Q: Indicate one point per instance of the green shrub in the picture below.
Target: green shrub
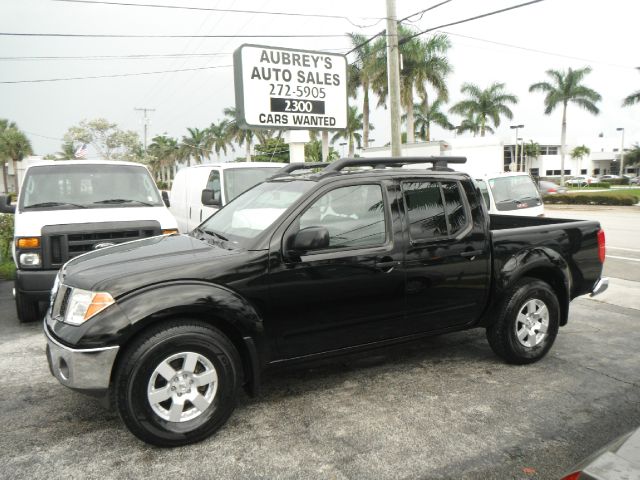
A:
(616, 181)
(591, 185)
(586, 199)
(6, 236)
(7, 270)
(162, 185)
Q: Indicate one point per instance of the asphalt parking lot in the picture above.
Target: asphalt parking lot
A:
(442, 408)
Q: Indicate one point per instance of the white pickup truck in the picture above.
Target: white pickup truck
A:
(67, 208)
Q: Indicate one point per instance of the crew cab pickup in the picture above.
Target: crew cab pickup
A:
(361, 254)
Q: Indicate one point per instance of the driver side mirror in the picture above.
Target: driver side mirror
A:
(210, 198)
(5, 204)
(310, 238)
(165, 198)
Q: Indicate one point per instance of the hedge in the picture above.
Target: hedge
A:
(586, 199)
(617, 181)
(591, 185)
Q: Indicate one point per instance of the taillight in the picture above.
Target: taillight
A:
(551, 190)
(601, 246)
(574, 475)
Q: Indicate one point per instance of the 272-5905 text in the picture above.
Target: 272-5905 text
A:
(282, 89)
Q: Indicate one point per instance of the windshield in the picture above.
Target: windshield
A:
(238, 180)
(513, 189)
(254, 211)
(88, 186)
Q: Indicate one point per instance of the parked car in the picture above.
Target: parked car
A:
(634, 181)
(620, 460)
(199, 191)
(550, 188)
(303, 267)
(67, 208)
(604, 178)
(511, 193)
(581, 181)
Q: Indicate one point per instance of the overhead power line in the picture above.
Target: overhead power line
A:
(113, 75)
(229, 10)
(476, 17)
(102, 35)
(114, 57)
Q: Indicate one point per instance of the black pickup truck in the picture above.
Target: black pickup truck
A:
(360, 254)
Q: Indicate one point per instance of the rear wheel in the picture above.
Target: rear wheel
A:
(177, 384)
(28, 309)
(527, 322)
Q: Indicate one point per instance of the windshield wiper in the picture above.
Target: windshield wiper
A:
(124, 200)
(54, 204)
(215, 234)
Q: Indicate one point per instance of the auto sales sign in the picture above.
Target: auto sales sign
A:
(290, 89)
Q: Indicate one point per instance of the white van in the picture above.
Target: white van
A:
(67, 208)
(215, 183)
(511, 193)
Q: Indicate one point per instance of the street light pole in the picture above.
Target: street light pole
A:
(621, 129)
(516, 152)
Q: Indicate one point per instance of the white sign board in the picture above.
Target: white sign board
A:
(290, 89)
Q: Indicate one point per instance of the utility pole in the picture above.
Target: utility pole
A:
(393, 73)
(621, 129)
(146, 123)
(515, 157)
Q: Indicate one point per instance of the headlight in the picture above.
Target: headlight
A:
(84, 304)
(29, 259)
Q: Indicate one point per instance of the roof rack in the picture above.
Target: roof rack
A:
(439, 163)
(292, 167)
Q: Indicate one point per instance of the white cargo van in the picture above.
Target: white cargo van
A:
(511, 193)
(67, 208)
(215, 183)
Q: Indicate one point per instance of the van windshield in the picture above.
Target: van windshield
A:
(512, 192)
(253, 212)
(238, 180)
(54, 187)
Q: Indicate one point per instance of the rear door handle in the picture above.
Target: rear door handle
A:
(470, 254)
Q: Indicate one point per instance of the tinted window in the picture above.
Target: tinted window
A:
(353, 215)
(456, 215)
(485, 193)
(425, 210)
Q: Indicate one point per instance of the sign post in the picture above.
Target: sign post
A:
(285, 89)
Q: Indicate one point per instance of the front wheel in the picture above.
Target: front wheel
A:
(527, 322)
(28, 310)
(177, 384)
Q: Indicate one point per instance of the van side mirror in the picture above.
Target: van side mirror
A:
(165, 198)
(5, 204)
(311, 238)
(210, 198)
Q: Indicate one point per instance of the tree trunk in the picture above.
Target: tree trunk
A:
(563, 141)
(351, 146)
(325, 146)
(248, 157)
(411, 138)
(5, 180)
(365, 115)
(425, 104)
(16, 183)
(482, 120)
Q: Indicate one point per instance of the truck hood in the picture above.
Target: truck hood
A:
(128, 266)
(29, 223)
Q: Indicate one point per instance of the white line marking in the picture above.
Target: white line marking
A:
(625, 249)
(624, 258)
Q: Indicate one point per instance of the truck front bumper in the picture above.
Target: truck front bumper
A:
(601, 285)
(87, 370)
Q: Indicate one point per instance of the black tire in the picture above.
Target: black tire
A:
(139, 365)
(503, 333)
(28, 310)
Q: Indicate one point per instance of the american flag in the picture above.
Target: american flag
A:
(81, 152)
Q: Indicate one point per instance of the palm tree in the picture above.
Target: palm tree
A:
(15, 145)
(68, 152)
(218, 138)
(237, 134)
(425, 115)
(566, 87)
(531, 150)
(473, 124)
(424, 64)
(4, 125)
(633, 98)
(363, 72)
(484, 105)
(579, 153)
(352, 132)
(166, 152)
(194, 145)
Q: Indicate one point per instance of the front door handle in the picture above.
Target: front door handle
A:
(471, 254)
(386, 264)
